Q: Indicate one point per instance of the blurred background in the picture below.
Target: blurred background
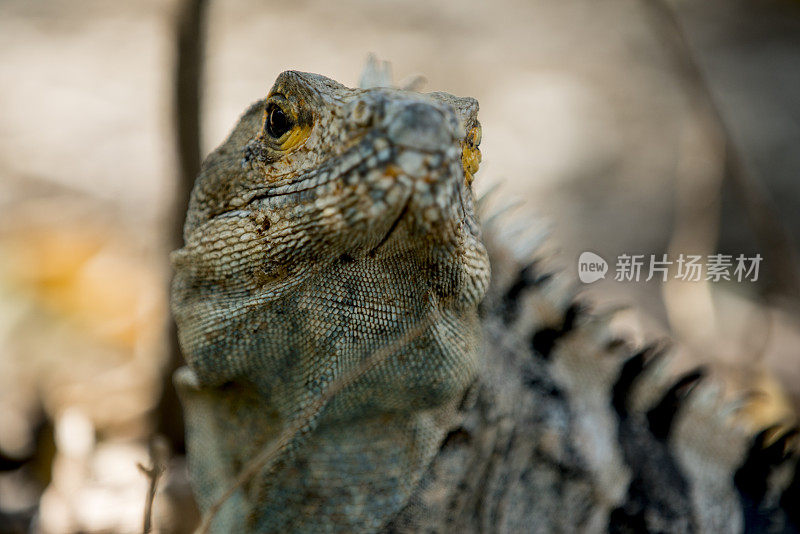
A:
(623, 126)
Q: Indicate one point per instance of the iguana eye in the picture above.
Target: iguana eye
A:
(278, 122)
(285, 126)
(471, 154)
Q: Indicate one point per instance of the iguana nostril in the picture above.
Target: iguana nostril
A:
(420, 126)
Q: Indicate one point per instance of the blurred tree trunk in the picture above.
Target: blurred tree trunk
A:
(759, 208)
(190, 16)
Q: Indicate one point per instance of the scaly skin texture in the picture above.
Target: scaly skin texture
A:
(306, 253)
(334, 223)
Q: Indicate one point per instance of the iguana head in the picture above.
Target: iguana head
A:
(327, 223)
(353, 165)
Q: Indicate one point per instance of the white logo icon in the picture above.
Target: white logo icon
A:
(591, 267)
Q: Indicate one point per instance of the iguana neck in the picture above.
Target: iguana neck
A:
(356, 474)
(355, 461)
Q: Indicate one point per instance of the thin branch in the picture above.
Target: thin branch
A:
(304, 421)
(158, 466)
(186, 101)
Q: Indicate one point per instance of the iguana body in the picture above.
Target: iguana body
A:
(332, 223)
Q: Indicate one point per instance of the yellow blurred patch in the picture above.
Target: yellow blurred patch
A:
(77, 273)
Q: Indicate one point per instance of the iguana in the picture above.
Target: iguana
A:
(340, 306)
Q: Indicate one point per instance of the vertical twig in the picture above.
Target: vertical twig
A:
(190, 29)
(158, 465)
(187, 98)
